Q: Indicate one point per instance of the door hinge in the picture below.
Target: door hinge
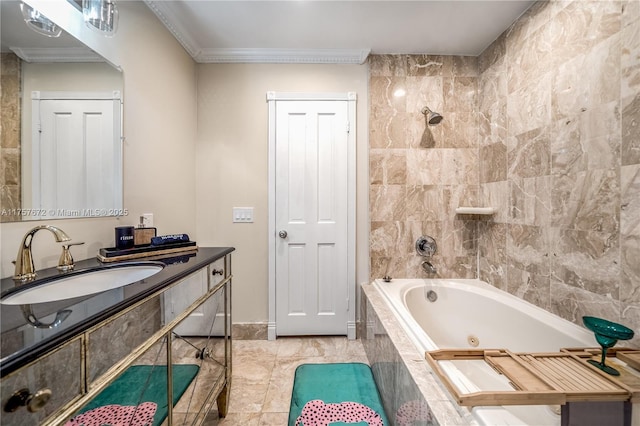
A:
(348, 126)
(348, 304)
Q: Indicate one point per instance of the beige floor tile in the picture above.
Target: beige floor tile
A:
(278, 396)
(238, 419)
(297, 347)
(252, 369)
(263, 373)
(247, 397)
(346, 358)
(256, 346)
(181, 419)
(274, 419)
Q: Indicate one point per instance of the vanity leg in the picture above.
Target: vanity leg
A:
(223, 401)
(169, 379)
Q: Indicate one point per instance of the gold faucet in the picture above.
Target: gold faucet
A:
(25, 270)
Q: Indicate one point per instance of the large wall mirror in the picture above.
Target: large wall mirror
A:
(61, 126)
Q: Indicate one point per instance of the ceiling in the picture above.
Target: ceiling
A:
(333, 31)
(297, 31)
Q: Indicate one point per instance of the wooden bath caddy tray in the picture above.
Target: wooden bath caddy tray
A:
(114, 255)
(631, 357)
(541, 378)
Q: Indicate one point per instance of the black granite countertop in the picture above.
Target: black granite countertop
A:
(16, 350)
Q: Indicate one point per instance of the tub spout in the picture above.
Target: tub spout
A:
(428, 267)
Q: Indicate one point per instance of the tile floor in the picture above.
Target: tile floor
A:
(262, 376)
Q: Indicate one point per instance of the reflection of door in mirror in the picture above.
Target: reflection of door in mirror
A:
(75, 138)
(54, 77)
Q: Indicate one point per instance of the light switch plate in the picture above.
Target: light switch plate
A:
(242, 214)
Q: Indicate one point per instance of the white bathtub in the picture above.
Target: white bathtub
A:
(471, 313)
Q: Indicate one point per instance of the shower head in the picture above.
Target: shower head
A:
(433, 117)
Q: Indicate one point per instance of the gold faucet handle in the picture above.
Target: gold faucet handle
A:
(65, 263)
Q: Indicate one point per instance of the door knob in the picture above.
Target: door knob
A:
(282, 234)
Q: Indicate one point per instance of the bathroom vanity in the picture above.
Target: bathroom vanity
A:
(57, 357)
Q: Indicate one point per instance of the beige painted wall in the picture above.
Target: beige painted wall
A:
(159, 150)
(232, 164)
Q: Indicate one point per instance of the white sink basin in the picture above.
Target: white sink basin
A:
(83, 283)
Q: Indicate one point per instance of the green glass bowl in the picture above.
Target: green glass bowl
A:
(607, 329)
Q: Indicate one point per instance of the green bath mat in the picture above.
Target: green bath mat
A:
(124, 402)
(342, 394)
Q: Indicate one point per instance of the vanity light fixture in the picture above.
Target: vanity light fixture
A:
(101, 15)
(38, 22)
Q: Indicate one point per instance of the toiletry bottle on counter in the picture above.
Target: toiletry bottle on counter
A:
(142, 235)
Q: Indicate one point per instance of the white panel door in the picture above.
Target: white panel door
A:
(76, 140)
(311, 211)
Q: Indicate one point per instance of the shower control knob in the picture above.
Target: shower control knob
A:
(426, 246)
(282, 234)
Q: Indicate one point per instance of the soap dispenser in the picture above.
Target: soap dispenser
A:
(142, 235)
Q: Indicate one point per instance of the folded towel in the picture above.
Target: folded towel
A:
(169, 239)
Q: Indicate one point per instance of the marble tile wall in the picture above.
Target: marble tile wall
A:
(559, 156)
(545, 126)
(418, 173)
(249, 331)
(10, 84)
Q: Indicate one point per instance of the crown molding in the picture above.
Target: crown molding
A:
(284, 56)
(61, 54)
(163, 9)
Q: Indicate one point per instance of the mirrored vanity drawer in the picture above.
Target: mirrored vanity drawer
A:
(202, 321)
(57, 376)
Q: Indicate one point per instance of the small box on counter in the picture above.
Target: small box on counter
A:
(143, 236)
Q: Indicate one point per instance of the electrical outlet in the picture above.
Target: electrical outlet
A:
(147, 219)
(242, 214)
